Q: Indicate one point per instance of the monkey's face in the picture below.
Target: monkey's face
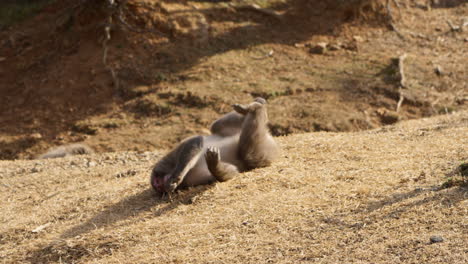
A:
(159, 183)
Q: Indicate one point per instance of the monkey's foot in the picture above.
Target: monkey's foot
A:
(252, 107)
(212, 156)
(260, 100)
(241, 109)
(245, 109)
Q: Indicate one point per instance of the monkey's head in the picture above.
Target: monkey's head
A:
(160, 182)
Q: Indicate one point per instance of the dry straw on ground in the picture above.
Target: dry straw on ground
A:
(366, 197)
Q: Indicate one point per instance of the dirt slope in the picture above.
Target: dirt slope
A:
(361, 197)
(55, 89)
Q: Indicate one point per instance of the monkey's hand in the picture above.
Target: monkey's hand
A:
(212, 156)
(170, 183)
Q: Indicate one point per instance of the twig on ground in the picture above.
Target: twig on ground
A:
(257, 8)
(454, 28)
(400, 102)
(40, 228)
(269, 54)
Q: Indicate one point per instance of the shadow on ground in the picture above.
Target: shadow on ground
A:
(127, 208)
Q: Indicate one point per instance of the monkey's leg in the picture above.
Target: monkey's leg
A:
(256, 146)
(187, 156)
(228, 125)
(244, 109)
(222, 171)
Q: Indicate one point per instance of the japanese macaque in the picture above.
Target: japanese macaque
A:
(66, 150)
(239, 141)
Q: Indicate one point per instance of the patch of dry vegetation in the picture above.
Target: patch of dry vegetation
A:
(363, 197)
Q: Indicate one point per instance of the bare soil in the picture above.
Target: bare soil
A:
(378, 196)
(194, 59)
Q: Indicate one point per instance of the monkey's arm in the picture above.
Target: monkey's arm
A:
(187, 155)
(228, 125)
(222, 171)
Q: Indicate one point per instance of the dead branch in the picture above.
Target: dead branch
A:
(257, 8)
(401, 69)
(402, 82)
(107, 38)
(391, 18)
(454, 28)
(400, 102)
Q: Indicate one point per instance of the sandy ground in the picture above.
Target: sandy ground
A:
(356, 197)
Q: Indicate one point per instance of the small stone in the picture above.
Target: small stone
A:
(319, 48)
(299, 45)
(128, 173)
(91, 163)
(438, 70)
(36, 135)
(387, 117)
(358, 39)
(436, 239)
(351, 46)
(334, 47)
(34, 170)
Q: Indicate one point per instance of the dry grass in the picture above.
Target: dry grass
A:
(366, 197)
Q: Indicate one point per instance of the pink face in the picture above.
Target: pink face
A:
(160, 182)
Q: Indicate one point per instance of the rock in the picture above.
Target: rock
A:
(438, 70)
(334, 47)
(387, 117)
(36, 136)
(91, 164)
(128, 173)
(352, 46)
(319, 48)
(358, 39)
(299, 45)
(436, 239)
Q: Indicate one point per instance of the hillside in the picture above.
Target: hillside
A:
(358, 197)
(178, 65)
